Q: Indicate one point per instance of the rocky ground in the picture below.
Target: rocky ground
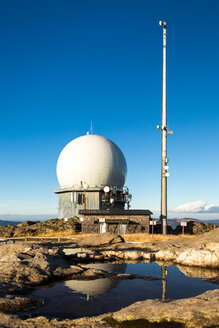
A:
(26, 266)
(200, 251)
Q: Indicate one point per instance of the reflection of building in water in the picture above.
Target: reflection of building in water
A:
(97, 286)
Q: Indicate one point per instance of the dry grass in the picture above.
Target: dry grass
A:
(61, 234)
(137, 237)
(140, 237)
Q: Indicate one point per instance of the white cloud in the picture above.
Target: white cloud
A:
(199, 206)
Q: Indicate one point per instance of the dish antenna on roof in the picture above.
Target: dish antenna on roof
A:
(106, 189)
(85, 186)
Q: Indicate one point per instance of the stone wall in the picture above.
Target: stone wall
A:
(118, 224)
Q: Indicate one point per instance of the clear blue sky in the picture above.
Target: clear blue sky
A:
(65, 63)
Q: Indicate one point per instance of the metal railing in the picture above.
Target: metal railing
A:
(33, 238)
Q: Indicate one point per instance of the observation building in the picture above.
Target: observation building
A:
(91, 171)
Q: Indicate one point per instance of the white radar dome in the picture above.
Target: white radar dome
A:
(92, 160)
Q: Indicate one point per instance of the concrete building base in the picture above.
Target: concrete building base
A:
(115, 221)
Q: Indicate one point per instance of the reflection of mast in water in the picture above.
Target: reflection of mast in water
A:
(164, 282)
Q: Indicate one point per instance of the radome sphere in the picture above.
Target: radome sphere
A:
(93, 161)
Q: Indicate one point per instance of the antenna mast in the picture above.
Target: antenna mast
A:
(164, 133)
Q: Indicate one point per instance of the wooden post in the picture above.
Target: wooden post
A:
(183, 225)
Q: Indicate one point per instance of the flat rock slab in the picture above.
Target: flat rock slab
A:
(193, 312)
(18, 303)
(100, 239)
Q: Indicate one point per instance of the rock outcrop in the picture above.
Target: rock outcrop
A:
(25, 266)
(31, 228)
(194, 227)
(7, 231)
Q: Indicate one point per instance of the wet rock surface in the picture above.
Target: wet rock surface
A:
(193, 312)
(18, 303)
(25, 266)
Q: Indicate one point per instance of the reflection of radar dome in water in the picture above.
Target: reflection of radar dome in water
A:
(92, 160)
(97, 286)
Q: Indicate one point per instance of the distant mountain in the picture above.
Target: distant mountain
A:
(17, 218)
(216, 222)
(4, 223)
(174, 222)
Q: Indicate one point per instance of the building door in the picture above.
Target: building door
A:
(102, 227)
(122, 229)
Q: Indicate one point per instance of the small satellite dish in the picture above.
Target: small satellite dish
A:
(166, 167)
(167, 174)
(106, 189)
(85, 186)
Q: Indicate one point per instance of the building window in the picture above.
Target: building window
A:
(80, 199)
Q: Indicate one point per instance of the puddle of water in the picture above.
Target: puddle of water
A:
(75, 298)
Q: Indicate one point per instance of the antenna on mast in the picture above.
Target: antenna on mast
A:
(91, 129)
